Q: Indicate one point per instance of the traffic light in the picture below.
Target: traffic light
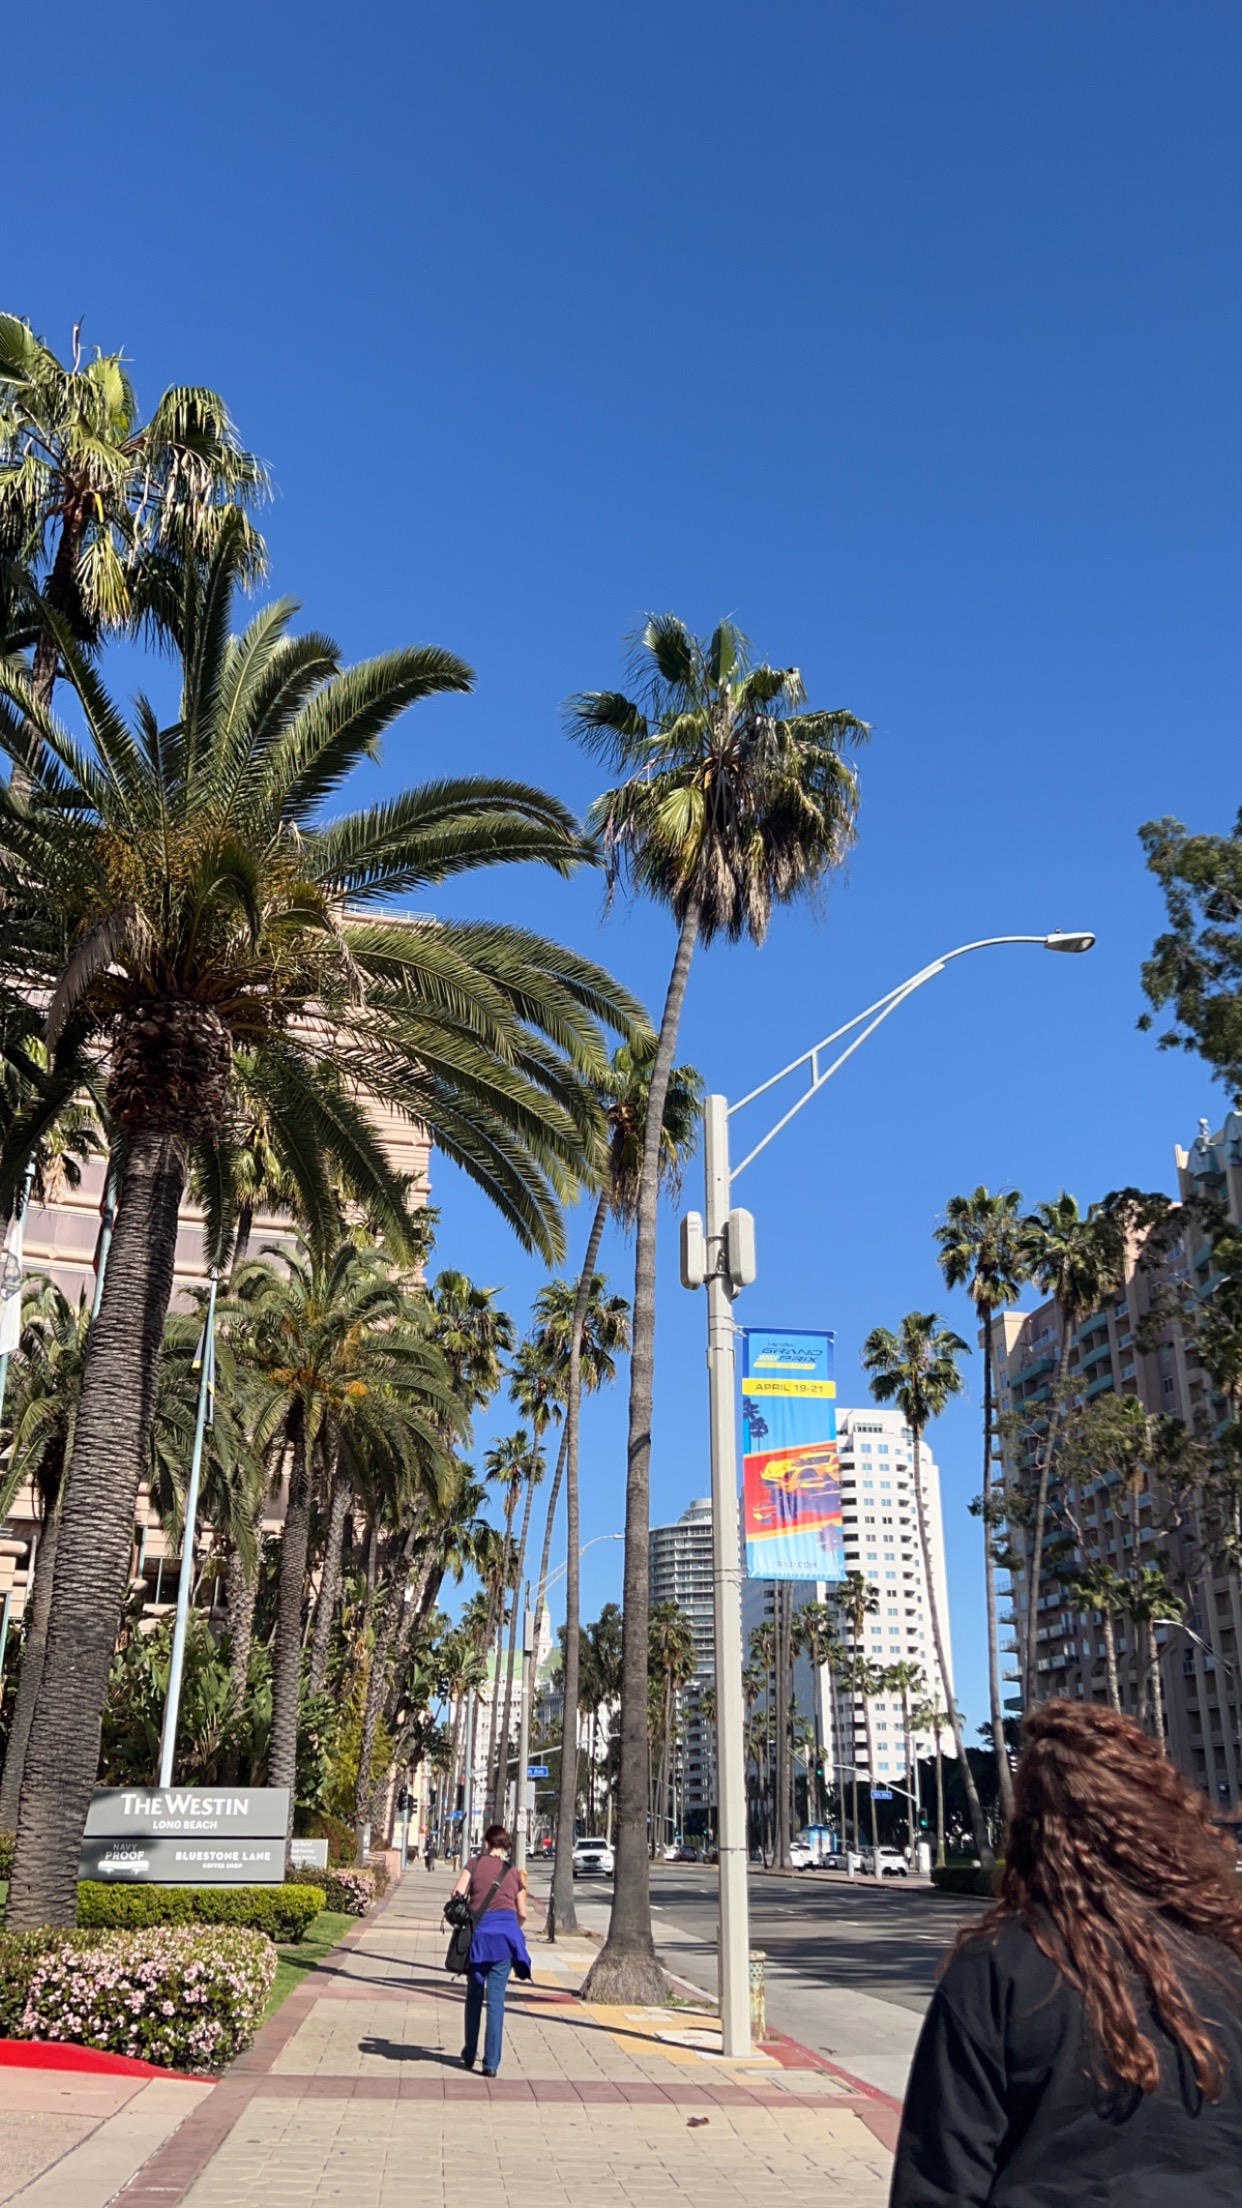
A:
(923, 1820)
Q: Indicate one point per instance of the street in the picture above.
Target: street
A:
(849, 1968)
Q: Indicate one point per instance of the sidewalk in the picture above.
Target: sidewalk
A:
(354, 2092)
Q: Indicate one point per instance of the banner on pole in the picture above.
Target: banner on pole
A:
(791, 1481)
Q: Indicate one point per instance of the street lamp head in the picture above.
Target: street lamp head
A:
(1068, 940)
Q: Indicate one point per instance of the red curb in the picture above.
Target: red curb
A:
(63, 2054)
(777, 2042)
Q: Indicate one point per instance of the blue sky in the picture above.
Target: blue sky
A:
(910, 336)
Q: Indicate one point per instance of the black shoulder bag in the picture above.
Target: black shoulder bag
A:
(458, 1913)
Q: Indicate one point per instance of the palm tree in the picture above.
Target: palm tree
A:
(102, 507)
(733, 799)
(40, 1408)
(623, 1095)
(474, 1336)
(672, 1667)
(171, 893)
(866, 1681)
(816, 1637)
(1078, 1259)
(535, 1388)
(917, 1370)
(1103, 1592)
(339, 1369)
(1150, 1601)
(928, 1717)
(507, 1465)
(857, 1600)
(907, 1680)
(985, 1248)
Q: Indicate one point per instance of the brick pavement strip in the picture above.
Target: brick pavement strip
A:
(353, 2093)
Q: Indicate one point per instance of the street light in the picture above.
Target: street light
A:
(718, 1251)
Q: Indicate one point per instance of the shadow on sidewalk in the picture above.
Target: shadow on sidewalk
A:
(393, 2050)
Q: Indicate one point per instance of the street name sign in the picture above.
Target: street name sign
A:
(881, 1793)
(536, 1770)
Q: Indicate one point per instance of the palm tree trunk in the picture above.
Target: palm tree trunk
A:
(240, 1595)
(329, 1583)
(1004, 1776)
(500, 1796)
(978, 1823)
(33, 1650)
(563, 1914)
(58, 592)
(493, 1719)
(282, 1759)
(1110, 1658)
(554, 1496)
(940, 1850)
(377, 1684)
(1035, 1573)
(626, 1970)
(1157, 1683)
(241, 1239)
(780, 1604)
(873, 1777)
(95, 1549)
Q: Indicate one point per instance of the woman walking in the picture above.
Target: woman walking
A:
(496, 1894)
(1085, 2041)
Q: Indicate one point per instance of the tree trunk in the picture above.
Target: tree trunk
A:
(1031, 1651)
(1110, 1658)
(554, 1496)
(282, 1759)
(493, 1717)
(58, 593)
(940, 1849)
(873, 1777)
(364, 1788)
(563, 1913)
(33, 1649)
(978, 1824)
(241, 1239)
(626, 1970)
(1157, 1683)
(329, 1583)
(95, 1548)
(1004, 1776)
(781, 1838)
(500, 1796)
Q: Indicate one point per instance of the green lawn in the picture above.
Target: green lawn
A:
(293, 1963)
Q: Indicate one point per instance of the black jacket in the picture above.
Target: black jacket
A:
(1004, 2106)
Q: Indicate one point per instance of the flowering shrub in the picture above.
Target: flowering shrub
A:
(186, 1996)
(351, 1891)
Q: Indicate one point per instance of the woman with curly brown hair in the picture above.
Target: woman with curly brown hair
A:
(1084, 2044)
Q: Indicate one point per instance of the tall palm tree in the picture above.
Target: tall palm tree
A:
(338, 1366)
(733, 799)
(172, 892)
(857, 1600)
(816, 1636)
(507, 1465)
(1077, 1258)
(1151, 1601)
(101, 506)
(985, 1248)
(535, 1387)
(1103, 1593)
(672, 1666)
(623, 1095)
(917, 1370)
(40, 1408)
(928, 1717)
(868, 1679)
(475, 1336)
(907, 1680)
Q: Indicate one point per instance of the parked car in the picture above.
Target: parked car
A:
(591, 1856)
(800, 1856)
(885, 1863)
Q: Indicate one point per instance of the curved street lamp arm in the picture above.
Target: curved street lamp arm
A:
(875, 1014)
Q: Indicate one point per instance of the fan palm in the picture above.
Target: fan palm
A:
(1078, 1258)
(857, 1600)
(672, 1662)
(623, 1095)
(928, 1717)
(817, 1637)
(917, 1369)
(985, 1248)
(171, 892)
(734, 799)
(102, 507)
(1150, 1601)
(535, 1386)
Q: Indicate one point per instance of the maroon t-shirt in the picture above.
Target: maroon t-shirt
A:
(483, 1877)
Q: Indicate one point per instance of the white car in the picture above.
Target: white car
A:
(593, 1855)
(885, 1863)
(800, 1856)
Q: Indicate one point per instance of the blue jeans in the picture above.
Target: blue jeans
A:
(490, 1979)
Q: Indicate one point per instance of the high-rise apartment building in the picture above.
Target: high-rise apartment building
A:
(881, 1538)
(1133, 1345)
(679, 1569)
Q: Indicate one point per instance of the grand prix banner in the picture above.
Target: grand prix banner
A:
(791, 1482)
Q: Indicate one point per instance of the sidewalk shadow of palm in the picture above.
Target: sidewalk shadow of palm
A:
(395, 2050)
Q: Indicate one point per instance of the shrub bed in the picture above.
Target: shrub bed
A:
(282, 1912)
(352, 1891)
(967, 1878)
(189, 1997)
(378, 1867)
(320, 1824)
(7, 1844)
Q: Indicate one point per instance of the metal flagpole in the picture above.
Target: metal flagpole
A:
(206, 1363)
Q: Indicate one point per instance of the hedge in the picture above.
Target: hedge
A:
(967, 1878)
(189, 1997)
(350, 1891)
(281, 1912)
(7, 1845)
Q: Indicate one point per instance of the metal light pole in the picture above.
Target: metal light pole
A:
(521, 1819)
(206, 1386)
(467, 1798)
(718, 1252)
